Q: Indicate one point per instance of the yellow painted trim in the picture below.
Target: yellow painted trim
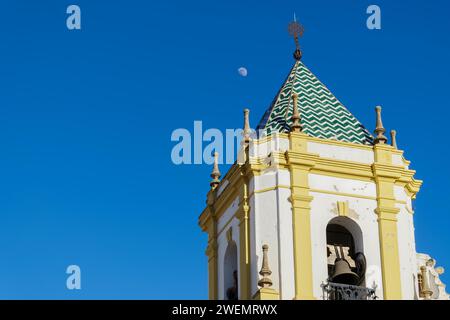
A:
(244, 242)
(285, 136)
(347, 168)
(211, 252)
(411, 211)
(342, 207)
(279, 186)
(226, 225)
(348, 176)
(343, 194)
(300, 163)
(385, 176)
(352, 195)
(326, 166)
(266, 139)
(340, 143)
(244, 259)
(229, 234)
(266, 294)
(222, 204)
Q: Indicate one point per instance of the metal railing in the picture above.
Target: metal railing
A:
(338, 291)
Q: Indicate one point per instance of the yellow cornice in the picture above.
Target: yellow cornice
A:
(278, 186)
(324, 166)
(382, 170)
(397, 151)
(344, 194)
(350, 169)
(304, 159)
(406, 162)
(232, 191)
(413, 187)
(321, 165)
(203, 218)
(317, 165)
(334, 143)
(266, 139)
(308, 138)
(225, 200)
(407, 180)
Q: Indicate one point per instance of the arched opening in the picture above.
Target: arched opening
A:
(345, 252)
(230, 272)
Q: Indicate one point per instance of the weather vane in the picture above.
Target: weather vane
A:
(296, 30)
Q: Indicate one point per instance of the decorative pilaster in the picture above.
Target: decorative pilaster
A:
(210, 226)
(300, 163)
(244, 243)
(342, 207)
(386, 175)
(211, 252)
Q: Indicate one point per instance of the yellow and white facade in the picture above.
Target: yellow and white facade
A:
(285, 190)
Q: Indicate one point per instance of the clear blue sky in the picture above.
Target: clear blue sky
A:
(86, 118)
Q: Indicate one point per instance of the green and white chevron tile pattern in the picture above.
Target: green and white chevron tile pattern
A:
(322, 115)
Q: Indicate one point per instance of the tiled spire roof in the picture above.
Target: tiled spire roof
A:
(322, 115)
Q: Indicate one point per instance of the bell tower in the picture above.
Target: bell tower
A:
(315, 207)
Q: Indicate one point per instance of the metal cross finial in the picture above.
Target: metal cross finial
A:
(296, 30)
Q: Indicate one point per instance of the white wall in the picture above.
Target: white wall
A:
(341, 152)
(264, 218)
(226, 221)
(406, 244)
(271, 221)
(285, 238)
(277, 143)
(273, 226)
(361, 211)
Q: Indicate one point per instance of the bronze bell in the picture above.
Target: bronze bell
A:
(343, 274)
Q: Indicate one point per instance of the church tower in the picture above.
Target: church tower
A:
(315, 207)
